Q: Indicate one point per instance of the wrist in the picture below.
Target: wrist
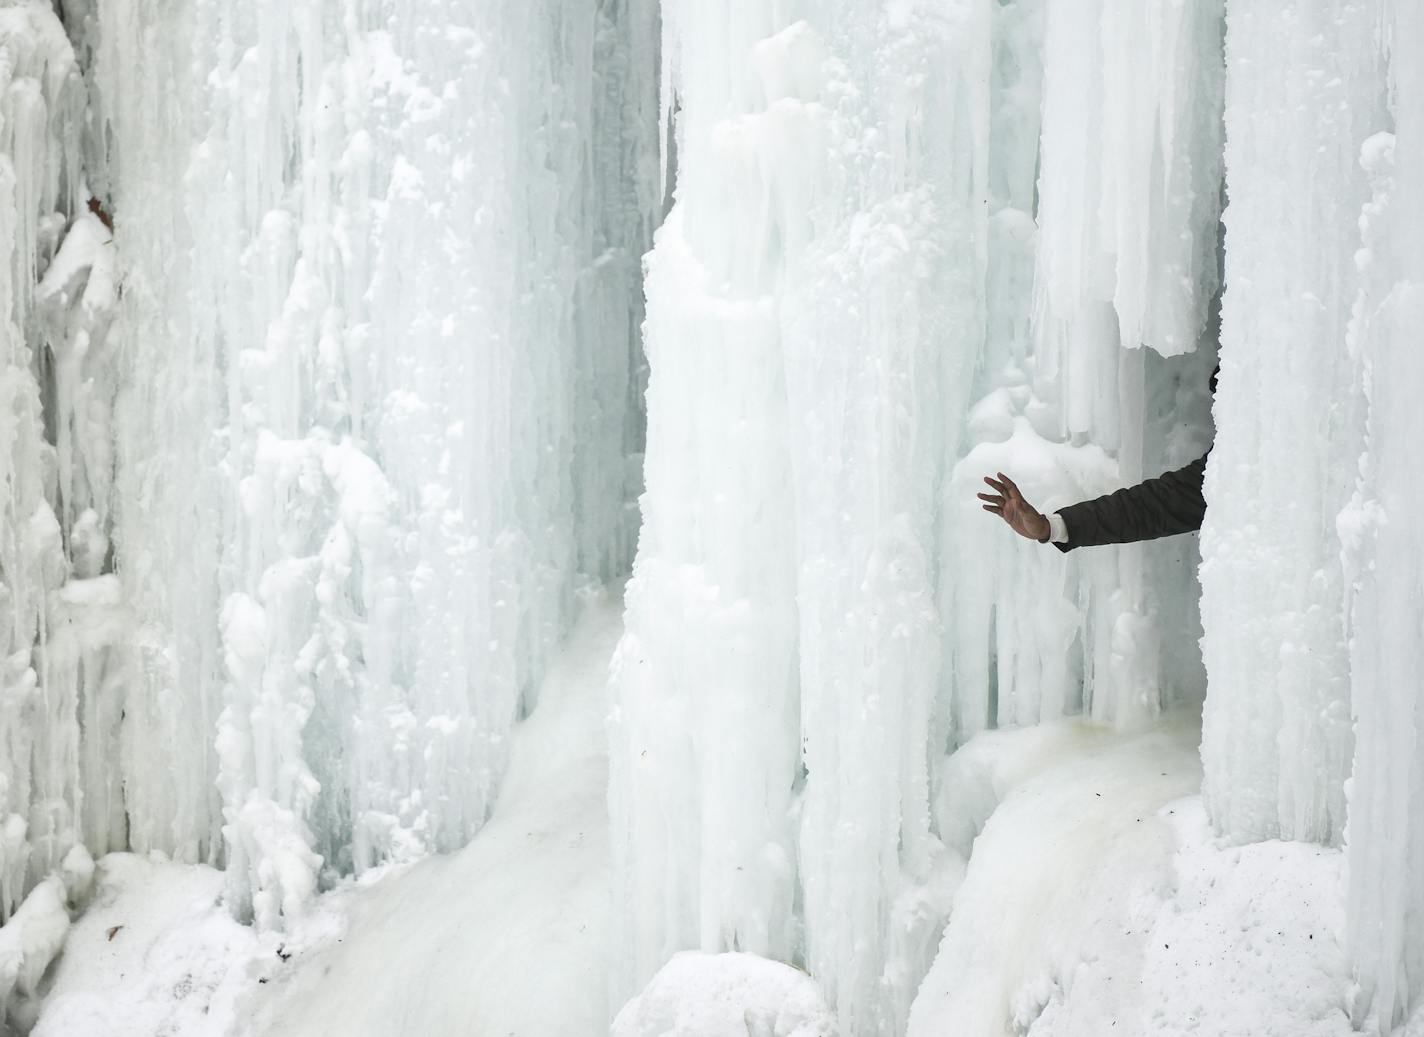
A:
(1046, 527)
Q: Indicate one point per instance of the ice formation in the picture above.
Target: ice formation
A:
(294, 522)
(1278, 750)
(56, 624)
(1383, 563)
(909, 248)
(849, 263)
(322, 333)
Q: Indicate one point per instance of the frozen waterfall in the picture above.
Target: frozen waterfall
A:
(302, 517)
(350, 348)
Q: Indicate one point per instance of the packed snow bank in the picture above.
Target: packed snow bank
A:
(726, 995)
(1097, 901)
(507, 936)
(155, 952)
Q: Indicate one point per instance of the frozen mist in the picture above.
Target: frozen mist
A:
(396, 330)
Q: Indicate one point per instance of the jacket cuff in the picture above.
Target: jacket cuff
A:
(1057, 529)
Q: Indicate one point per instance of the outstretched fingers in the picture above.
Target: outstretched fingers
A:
(1012, 488)
(993, 502)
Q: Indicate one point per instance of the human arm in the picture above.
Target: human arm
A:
(1169, 504)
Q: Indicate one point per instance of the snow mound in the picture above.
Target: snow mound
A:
(726, 995)
(28, 943)
(1097, 900)
(153, 953)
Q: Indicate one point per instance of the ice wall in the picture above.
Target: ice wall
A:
(1310, 572)
(376, 412)
(819, 610)
(1102, 241)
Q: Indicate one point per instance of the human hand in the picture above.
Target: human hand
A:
(1009, 504)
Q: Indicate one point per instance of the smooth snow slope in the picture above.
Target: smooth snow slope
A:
(509, 935)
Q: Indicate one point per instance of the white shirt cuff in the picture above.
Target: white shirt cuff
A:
(1057, 529)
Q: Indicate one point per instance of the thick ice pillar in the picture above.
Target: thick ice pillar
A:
(1384, 561)
(815, 313)
(1304, 89)
(884, 323)
(705, 741)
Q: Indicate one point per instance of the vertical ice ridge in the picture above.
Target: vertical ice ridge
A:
(883, 323)
(1380, 548)
(1303, 92)
(703, 733)
(59, 617)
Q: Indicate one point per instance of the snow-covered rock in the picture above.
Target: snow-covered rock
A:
(726, 995)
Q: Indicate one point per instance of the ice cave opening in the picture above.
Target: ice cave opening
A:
(488, 534)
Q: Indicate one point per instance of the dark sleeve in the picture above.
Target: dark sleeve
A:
(1160, 507)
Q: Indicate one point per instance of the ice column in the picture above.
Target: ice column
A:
(815, 313)
(704, 737)
(884, 317)
(1384, 561)
(1303, 92)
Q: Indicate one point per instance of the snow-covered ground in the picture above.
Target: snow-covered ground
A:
(506, 937)
(1095, 901)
